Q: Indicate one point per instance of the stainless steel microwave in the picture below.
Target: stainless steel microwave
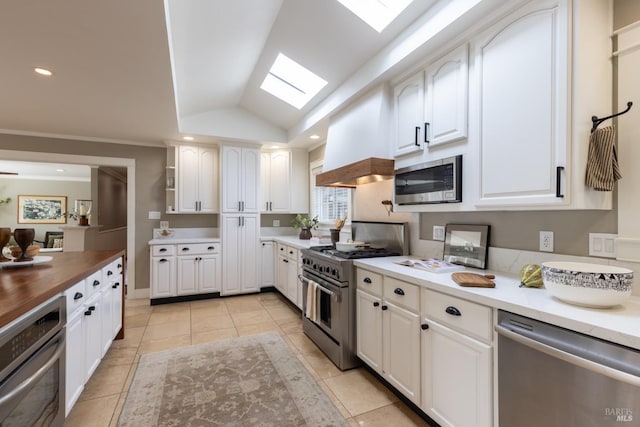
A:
(439, 181)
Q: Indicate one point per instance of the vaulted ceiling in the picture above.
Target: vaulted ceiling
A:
(147, 72)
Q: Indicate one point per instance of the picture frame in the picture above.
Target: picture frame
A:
(42, 209)
(466, 244)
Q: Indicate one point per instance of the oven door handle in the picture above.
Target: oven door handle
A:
(38, 374)
(319, 286)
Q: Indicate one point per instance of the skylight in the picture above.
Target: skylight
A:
(377, 13)
(291, 82)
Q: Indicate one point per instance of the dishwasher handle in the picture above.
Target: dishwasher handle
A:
(569, 358)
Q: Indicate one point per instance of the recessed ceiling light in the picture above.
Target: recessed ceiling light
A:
(291, 82)
(59, 170)
(377, 13)
(43, 71)
(274, 146)
(314, 136)
(187, 138)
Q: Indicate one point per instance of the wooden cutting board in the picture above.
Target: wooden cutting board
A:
(474, 280)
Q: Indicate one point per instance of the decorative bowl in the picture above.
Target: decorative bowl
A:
(164, 233)
(349, 246)
(589, 285)
(32, 251)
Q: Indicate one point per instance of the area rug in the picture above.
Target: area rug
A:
(248, 381)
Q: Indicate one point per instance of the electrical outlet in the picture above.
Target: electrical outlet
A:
(546, 241)
(438, 233)
(276, 223)
(164, 224)
(602, 245)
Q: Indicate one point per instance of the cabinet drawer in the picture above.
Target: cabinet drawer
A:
(283, 249)
(292, 253)
(199, 248)
(403, 293)
(369, 281)
(160, 250)
(466, 316)
(76, 296)
(93, 283)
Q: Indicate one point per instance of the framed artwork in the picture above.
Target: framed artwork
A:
(42, 209)
(466, 244)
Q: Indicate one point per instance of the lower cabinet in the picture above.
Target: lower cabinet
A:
(241, 236)
(288, 269)
(268, 264)
(93, 334)
(198, 274)
(163, 277)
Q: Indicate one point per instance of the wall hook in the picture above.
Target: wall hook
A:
(596, 121)
(388, 205)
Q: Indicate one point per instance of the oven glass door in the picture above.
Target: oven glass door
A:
(33, 395)
(328, 298)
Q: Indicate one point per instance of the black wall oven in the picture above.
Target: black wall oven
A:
(32, 367)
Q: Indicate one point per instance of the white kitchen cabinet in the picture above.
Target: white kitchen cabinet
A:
(388, 330)
(93, 334)
(117, 288)
(197, 179)
(533, 117)
(447, 86)
(75, 374)
(275, 171)
(106, 318)
(198, 274)
(456, 378)
(240, 179)
(287, 275)
(241, 234)
(163, 276)
(268, 265)
(408, 100)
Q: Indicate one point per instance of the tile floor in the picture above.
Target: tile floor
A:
(362, 399)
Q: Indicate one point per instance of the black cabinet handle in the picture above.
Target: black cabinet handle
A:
(77, 296)
(559, 170)
(453, 311)
(109, 273)
(426, 132)
(93, 307)
(384, 307)
(398, 291)
(376, 304)
(367, 280)
(210, 248)
(415, 141)
(424, 326)
(270, 206)
(185, 249)
(120, 265)
(285, 260)
(96, 282)
(87, 313)
(161, 250)
(163, 260)
(115, 286)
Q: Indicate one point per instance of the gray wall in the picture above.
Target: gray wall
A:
(625, 12)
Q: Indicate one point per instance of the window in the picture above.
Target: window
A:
(377, 13)
(329, 203)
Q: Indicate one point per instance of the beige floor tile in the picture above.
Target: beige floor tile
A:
(284, 313)
(290, 326)
(130, 376)
(118, 410)
(250, 317)
(132, 338)
(291, 345)
(119, 356)
(303, 343)
(211, 336)
(397, 415)
(164, 344)
(105, 381)
(179, 315)
(321, 364)
(137, 309)
(269, 326)
(242, 306)
(92, 413)
(201, 322)
(137, 320)
(360, 392)
(269, 296)
(212, 306)
(166, 330)
(353, 422)
(308, 367)
(334, 399)
(165, 308)
(137, 302)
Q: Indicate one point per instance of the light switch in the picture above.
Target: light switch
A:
(154, 214)
(602, 245)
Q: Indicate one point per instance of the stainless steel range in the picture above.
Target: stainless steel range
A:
(328, 278)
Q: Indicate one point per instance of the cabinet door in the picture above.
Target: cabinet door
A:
(231, 254)
(163, 277)
(267, 262)
(187, 275)
(401, 350)
(106, 318)
(208, 274)
(75, 365)
(116, 289)
(188, 159)
(250, 253)
(92, 335)
(292, 281)
(231, 178)
(250, 180)
(369, 329)
(408, 115)
(447, 82)
(208, 179)
(280, 182)
(283, 274)
(521, 66)
(456, 378)
(265, 184)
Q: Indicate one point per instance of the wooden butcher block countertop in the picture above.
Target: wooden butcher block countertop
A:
(23, 288)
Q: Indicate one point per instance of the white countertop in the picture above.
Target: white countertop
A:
(183, 240)
(293, 241)
(620, 324)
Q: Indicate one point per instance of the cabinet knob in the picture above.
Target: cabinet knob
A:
(109, 273)
(119, 265)
(398, 291)
(367, 280)
(384, 307)
(424, 326)
(163, 250)
(376, 304)
(77, 296)
(185, 249)
(290, 252)
(163, 260)
(96, 282)
(453, 311)
(210, 248)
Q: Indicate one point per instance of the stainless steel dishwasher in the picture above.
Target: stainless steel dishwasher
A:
(550, 376)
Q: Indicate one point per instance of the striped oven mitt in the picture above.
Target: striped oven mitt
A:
(602, 161)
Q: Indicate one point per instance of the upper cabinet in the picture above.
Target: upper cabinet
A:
(533, 132)
(408, 110)
(192, 179)
(284, 181)
(240, 179)
(447, 83)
